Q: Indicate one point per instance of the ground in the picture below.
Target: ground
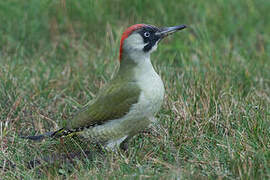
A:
(215, 120)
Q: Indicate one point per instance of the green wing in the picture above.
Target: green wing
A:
(113, 102)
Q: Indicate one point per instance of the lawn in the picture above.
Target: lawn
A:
(214, 122)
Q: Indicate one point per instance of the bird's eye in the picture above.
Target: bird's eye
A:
(146, 34)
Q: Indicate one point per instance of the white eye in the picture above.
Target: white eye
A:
(146, 34)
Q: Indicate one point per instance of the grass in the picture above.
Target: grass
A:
(215, 120)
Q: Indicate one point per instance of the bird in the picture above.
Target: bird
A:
(129, 102)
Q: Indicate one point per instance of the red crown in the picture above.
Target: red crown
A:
(125, 34)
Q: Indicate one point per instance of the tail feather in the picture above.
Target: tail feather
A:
(38, 137)
(62, 132)
(56, 134)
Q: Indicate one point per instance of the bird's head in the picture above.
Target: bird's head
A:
(139, 40)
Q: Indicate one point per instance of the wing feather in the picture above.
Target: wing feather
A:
(113, 102)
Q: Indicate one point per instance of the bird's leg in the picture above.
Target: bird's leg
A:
(114, 144)
(124, 144)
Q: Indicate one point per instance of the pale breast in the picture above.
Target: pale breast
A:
(152, 94)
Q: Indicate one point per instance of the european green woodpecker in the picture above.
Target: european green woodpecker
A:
(127, 104)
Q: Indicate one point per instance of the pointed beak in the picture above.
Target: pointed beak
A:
(165, 31)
